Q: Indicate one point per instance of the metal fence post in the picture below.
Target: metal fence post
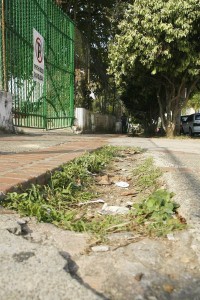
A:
(3, 36)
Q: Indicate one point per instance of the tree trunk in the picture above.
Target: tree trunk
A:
(170, 101)
(170, 130)
(173, 122)
(177, 95)
(162, 112)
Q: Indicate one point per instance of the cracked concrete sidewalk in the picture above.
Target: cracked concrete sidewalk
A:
(43, 266)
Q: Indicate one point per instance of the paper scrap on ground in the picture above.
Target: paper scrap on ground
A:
(113, 210)
(92, 202)
(122, 184)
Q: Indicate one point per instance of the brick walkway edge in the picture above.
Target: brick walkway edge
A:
(21, 169)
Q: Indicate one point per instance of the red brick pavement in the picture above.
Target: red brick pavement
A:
(21, 169)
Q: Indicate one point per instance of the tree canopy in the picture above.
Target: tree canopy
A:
(93, 19)
(96, 20)
(161, 37)
(194, 102)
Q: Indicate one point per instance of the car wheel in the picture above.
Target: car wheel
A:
(190, 132)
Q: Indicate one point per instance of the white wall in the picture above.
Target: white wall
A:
(6, 110)
(87, 121)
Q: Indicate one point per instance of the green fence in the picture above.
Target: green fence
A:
(42, 89)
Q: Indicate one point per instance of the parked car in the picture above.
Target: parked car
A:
(191, 125)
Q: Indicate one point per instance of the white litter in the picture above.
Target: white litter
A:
(100, 248)
(91, 202)
(171, 237)
(113, 210)
(122, 184)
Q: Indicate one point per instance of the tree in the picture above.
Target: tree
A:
(164, 37)
(142, 104)
(92, 21)
(96, 21)
(194, 102)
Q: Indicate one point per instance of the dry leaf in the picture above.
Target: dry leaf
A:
(129, 193)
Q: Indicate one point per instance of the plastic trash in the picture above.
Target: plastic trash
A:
(100, 248)
(122, 184)
(113, 210)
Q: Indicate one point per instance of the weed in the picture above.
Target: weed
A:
(57, 202)
(147, 174)
(157, 213)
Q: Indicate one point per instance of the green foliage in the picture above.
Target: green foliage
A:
(147, 174)
(157, 213)
(141, 101)
(58, 202)
(99, 226)
(93, 18)
(160, 35)
(96, 20)
(32, 203)
(157, 48)
(194, 102)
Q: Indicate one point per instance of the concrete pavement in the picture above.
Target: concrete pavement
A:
(33, 270)
(179, 159)
(40, 261)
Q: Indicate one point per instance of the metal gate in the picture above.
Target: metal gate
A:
(47, 101)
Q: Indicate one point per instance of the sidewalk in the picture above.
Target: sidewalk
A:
(41, 261)
(29, 157)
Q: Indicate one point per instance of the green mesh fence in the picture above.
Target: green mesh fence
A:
(49, 103)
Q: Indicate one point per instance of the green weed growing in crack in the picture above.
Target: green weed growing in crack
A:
(158, 214)
(147, 175)
(58, 201)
